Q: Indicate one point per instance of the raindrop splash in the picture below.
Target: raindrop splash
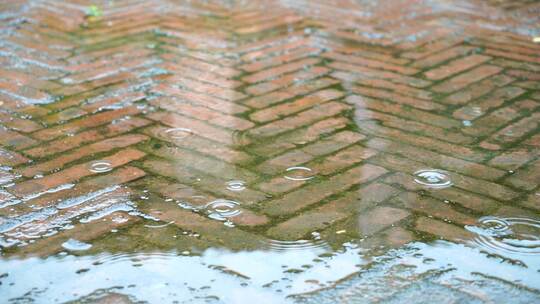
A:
(236, 185)
(510, 235)
(299, 174)
(222, 209)
(100, 166)
(433, 178)
(178, 133)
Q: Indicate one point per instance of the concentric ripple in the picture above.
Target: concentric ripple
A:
(433, 178)
(299, 173)
(100, 166)
(511, 235)
(298, 245)
(178, 133)
(222, 209)
(236, 185)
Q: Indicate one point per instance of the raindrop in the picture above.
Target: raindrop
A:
(433, 178)
(236, 185)
(467, 123)
(178, 133)
(222, 209)
(100, 166)
(511, 235)
(299, 174)
(75, 245)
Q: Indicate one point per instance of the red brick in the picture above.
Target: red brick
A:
(456, 66)
(72, 174)
(314, 193)
(462, 80)
(277, 71)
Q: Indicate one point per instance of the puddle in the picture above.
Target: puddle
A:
(265, 154)
(283, 276)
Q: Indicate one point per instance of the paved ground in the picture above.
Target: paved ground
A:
(178, 99)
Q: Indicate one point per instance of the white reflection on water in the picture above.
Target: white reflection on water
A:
(265, 276)
(233, 277)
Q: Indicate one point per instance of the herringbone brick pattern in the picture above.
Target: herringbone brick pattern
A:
(176, 99)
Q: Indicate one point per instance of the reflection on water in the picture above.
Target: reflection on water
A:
(441, 272)
(508, 235)
(448, 272)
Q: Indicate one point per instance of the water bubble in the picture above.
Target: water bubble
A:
(299, 174)
(236, 185)
(222, 209)
(433, 178)
(511, 235)
(75, 245)
(178, 133)
(467, 123)
(100, 166)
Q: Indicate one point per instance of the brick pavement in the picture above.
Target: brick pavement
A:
(177, 99)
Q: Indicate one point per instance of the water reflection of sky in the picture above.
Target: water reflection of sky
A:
(233, 277)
